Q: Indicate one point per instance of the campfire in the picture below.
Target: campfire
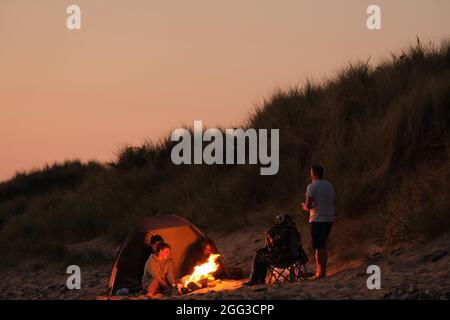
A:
(201, 275)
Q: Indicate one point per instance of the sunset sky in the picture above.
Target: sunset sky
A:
(139, 68)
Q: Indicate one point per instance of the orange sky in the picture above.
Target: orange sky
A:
(138, 69)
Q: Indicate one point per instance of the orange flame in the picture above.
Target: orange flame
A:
(203, 271)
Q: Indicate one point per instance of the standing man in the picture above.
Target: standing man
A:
(320, 199)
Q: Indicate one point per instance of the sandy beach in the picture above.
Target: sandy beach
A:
(420, 271)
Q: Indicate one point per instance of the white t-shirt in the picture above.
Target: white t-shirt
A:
(322, 192)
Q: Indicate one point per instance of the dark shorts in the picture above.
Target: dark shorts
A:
(319, 233)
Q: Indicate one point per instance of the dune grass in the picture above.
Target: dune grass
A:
(381, 132)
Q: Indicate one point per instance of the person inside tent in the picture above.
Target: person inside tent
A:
(149, 249)
(154, 240)
(158, 275)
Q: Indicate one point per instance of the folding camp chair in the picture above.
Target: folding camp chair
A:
(288, 271)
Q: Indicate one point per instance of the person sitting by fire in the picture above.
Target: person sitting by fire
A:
(149, 248)
(283, 243)
(158, 275)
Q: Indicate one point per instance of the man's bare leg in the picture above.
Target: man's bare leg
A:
(318, 265)
(321, 262)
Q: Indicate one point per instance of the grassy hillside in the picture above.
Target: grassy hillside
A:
(382, 134)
